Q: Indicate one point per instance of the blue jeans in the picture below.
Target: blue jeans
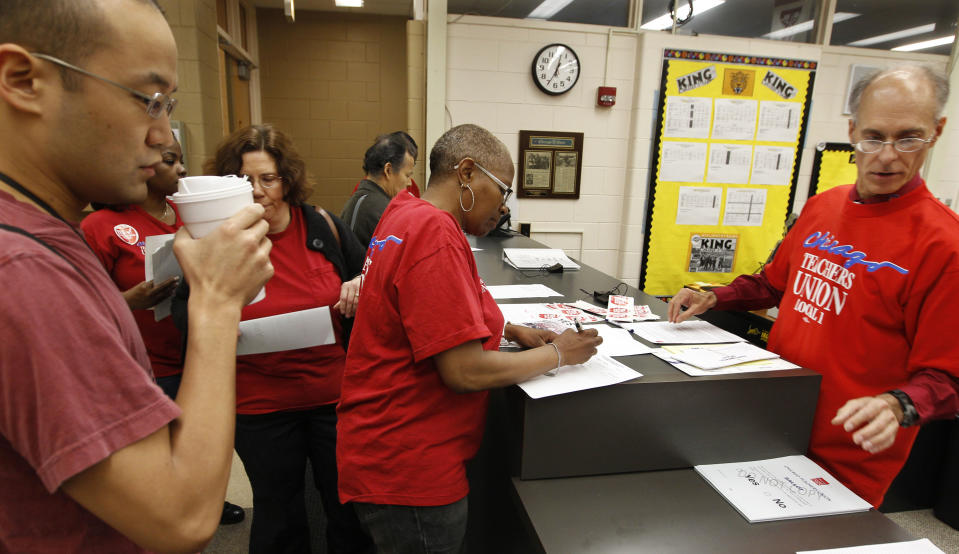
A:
(415, 529)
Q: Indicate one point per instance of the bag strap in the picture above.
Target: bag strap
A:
(329, 221)
(356, 209)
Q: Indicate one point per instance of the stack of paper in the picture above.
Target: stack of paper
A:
(781, 488)
(502, 292)
(641, 312)
(921, 546)
(537, 258)
(668, 353)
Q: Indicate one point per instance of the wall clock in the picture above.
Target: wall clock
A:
(555, 69)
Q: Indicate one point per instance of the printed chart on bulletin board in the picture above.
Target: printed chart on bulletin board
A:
(727, 152)
(833, 165)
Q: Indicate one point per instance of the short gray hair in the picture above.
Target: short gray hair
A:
(936, 78)
(466, 141)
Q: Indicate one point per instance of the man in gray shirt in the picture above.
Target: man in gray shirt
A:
(389, 168)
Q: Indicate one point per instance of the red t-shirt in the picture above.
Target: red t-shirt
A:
(403, 436)
(118, 239)
(867, 297)
(293, 379)
(75, 385)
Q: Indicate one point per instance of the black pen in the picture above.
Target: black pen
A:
(579, 328)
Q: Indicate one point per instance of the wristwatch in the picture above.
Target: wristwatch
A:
(909, 414)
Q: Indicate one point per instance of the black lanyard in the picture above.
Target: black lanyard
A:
(36, 199)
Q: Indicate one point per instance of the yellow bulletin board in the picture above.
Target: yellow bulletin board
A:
(727, 149)
(833, 165)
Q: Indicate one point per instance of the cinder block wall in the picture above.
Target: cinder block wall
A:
(333, 82)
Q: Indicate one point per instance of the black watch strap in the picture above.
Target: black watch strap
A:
(910, 416)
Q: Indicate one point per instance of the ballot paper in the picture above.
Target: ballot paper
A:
(619, 342)
(501, 292)
(537, 258)
(599, 371)
(159, 265)
(921, 546)
(781, 488)
(687, 332)
(667, 352)
(529, 313)
(289, 331)
(715, 356)
(619, 308)
(641, 312)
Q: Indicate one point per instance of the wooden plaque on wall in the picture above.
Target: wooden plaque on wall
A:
(550, 164)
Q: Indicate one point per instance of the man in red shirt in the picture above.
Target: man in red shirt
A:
(85, 434)
(862, 282)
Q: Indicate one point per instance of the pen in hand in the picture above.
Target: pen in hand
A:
(579, 328)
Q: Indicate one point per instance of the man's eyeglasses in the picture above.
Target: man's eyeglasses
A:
(507, 191)
(267, 180)
(156, 105)
(905, 145)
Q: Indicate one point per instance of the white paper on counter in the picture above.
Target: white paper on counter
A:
(528, 313)
(687, 332)
(159, 265)
(781, 488)
(289, 331)
(501, 292)
(599, 371)
(619, 342)
(666, 354)
(921, 546)
(716, 356)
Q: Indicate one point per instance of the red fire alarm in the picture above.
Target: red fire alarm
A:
(606, 96)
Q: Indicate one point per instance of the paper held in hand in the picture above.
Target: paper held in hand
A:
(781, 488)
(537, 258)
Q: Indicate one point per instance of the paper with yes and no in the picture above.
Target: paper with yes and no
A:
(687, 332)
(715, 356)
(501, 292)
(530, 313)
(599, 371)
(921, 546)
(781, 488)
(289, 331)
(666, 354)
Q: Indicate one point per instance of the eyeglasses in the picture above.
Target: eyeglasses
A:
(905, 145)
(156, 105)
(267, 180)
(507, 191)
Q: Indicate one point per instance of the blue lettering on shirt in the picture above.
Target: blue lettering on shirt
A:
(826, 241)
(381, 243)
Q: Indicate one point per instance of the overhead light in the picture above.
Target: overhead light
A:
(926, 44)
(666, 21)
(548, 8)
(289, 10)
(348, 3)
(807, 26)
(893, 36)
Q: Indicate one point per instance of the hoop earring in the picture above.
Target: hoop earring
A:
(472, 195)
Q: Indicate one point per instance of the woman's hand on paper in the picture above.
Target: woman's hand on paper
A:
(695, 303)
(527, 336)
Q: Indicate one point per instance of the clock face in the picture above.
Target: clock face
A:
(555, 69)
